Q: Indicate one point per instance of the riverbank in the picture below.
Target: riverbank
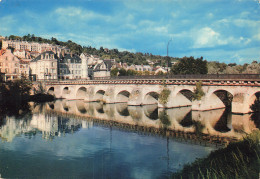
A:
(238, 160)
(15, 95)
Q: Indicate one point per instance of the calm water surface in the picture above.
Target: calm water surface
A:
(48, 143)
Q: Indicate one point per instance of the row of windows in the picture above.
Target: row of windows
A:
(70, 66)
(143, 69)
(6, 70)
(65, 71)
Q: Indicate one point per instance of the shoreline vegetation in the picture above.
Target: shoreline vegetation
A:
(239, 159)
(15, 95)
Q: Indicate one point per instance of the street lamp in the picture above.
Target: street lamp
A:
(167, 58)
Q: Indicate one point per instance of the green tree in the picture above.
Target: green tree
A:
(189, 65)
(131, 72)
(114, 72)
(122, 72)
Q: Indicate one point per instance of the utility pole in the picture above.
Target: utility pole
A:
(167, 58)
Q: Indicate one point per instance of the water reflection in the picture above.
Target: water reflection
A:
(82, 149)
(49, 125)
(214, 122)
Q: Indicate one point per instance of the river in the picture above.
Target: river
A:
(75, 139)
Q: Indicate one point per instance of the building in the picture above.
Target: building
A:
(45, 66)
(25, 67)
(73, 67)
(10, 65)
(102, 69)
(33, 46)
(160, 70)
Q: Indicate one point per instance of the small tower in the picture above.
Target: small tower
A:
(84, 66)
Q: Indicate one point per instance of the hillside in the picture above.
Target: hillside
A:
(124, 56)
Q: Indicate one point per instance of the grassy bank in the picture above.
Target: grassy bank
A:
(238, 160)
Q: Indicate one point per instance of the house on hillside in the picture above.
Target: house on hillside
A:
(102, 69)
(72, 66)
(45, 66)
(9, 64)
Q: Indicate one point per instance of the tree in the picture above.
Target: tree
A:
(114, 72)
(189, 65)
(122, 72)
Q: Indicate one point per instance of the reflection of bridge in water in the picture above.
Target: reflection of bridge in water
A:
(213, 122)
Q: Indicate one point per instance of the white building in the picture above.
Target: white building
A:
(33, 46)
(45, 66)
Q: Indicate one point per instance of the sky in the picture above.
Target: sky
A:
(218, 30)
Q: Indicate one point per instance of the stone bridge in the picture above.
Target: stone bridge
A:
(240, 90)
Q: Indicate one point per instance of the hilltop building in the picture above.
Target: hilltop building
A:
(33, 46)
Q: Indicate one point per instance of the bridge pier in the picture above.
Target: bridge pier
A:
(135, 98)
(175, 100)
(207, 102)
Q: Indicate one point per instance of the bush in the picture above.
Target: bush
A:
(164, 95)
(198, 92)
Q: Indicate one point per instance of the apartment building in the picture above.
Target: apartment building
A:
(33, 46)
(9, 65)
(45, 66)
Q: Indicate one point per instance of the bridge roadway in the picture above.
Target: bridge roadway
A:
(146, 90)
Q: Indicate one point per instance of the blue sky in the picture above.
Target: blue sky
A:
(223, 30)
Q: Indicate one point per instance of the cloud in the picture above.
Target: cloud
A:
(207, 37)
(71, 14)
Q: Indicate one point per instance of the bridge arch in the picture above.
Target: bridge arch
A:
(151, 98)
(99, 95)
(81, 107)
(51, 90)
(223, 124)
(65, 91)
(253, 98)
(151, 111)
(51, 105)
(181, 97)
(225, 96)
(99, 108)
(135, 112)
(122, 109)
(65, 106)
(122, 96)
(187, 93)
(81, 93)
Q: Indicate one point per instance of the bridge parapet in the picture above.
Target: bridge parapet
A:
(161, 81)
